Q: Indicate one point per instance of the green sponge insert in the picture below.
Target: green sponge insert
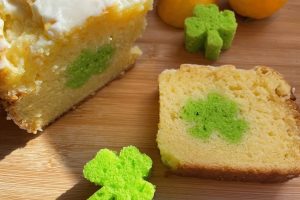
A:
(214, 114)
(89, 63)
(122, 177)
(209, 30)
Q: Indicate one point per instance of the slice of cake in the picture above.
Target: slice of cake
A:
(228, 123)
(56, 53)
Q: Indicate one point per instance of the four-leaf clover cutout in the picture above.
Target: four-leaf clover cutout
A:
(121, 177)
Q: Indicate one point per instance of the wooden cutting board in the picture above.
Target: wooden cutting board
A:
(49, 165)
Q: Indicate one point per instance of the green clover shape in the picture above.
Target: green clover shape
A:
(214, 114)
(88, 63)
(209, 30)
(121, 177)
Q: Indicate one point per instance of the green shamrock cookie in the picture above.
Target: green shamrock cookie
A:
(214, 114)
(209, 30)
(121, 177)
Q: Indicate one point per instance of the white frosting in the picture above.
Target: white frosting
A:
(4, 45)
(3, 42)
(60, 16)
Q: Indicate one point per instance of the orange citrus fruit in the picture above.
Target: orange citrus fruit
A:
(174, 12)
(256, 9)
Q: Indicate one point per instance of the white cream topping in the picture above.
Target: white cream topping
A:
(60, 16)
(4, 45)
(3, 42)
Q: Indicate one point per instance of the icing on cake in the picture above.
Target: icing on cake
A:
(61, 16)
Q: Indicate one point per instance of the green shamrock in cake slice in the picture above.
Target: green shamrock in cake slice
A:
(216, 113)
(89, 63)
(121, 177)
(210, 30)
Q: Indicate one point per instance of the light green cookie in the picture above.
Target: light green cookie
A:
(121, 176)
(209, 30)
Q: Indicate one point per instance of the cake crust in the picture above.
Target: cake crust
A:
(230, 174)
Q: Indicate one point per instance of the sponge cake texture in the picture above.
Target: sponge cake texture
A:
(228, 123)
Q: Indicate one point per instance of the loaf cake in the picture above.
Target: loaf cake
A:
(229, 124)
(56, 53)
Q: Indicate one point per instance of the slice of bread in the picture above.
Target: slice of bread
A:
(229, 124)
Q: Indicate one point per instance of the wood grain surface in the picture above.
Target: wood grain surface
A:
(49, 165)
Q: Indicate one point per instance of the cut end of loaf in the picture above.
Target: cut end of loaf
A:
(269, 150)
(46, 76)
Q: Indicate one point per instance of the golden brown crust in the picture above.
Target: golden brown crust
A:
(229, 174)
(8, 106)
(3, 76)
(296, 113)
(291, 103)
